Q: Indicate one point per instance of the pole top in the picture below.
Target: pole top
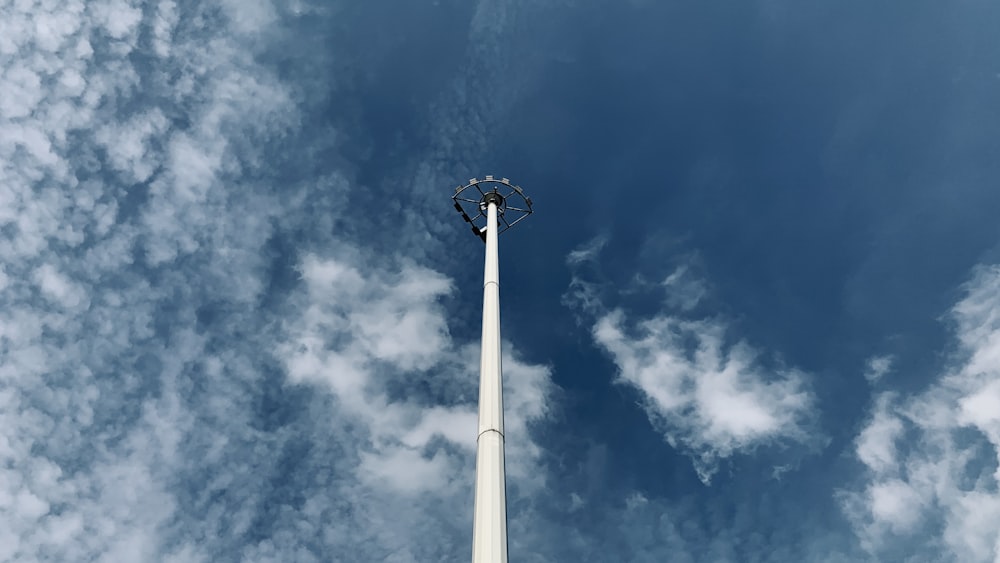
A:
(473, 199)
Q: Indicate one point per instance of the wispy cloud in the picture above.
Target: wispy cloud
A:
(877, 368)
(587, 252)
(931, 459)
(707, 395)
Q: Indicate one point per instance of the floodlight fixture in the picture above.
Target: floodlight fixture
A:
(491, 206)
(472, 202)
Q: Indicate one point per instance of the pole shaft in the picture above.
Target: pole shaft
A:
(489, 535)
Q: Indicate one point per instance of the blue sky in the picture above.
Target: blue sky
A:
(756, 316)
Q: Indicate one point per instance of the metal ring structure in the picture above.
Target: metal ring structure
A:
(473, 199)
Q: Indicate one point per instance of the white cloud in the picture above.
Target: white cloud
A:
(128, 144)
(895, 503)
(22, 92)
(877, 367)
(58, 288)
(684, 290)
(876, 445)
(250, 17)
(348, 327)
(408, 471)
(119, 18)
(932, 481)
(588, 252)
(163, 26)
(98, 352)
(709, 397)
(359, 334)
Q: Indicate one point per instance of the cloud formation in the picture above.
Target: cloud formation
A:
(931, 459)
(374, 340)
(708, 395)
(705, 397)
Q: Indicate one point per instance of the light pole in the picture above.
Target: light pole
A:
(492, 214)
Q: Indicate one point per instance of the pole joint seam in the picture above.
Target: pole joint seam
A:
(489, 430)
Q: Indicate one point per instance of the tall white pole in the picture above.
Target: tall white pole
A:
(489, 535)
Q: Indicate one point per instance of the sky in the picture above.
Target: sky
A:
(755, 316)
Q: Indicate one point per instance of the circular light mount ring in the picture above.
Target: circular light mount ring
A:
(472, 201)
